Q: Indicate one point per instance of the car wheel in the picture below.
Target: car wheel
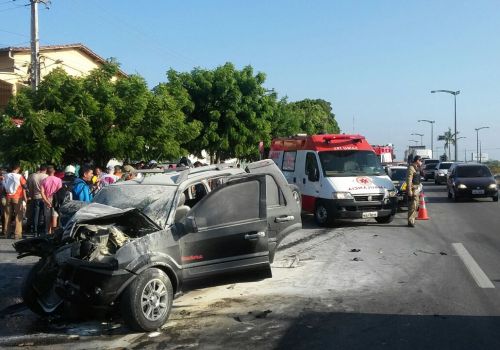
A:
(495, 198)
(322, 215)
(147, 301)
(45, 291)
(384, 219)
(454, 195)
(296, 195)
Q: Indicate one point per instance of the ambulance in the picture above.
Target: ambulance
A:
(339, 176)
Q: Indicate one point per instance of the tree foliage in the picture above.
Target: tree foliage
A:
(224, 111)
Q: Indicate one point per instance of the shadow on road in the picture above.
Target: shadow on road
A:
(314, 330)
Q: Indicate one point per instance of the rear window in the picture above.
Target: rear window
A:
(398, 174)
(473, 171)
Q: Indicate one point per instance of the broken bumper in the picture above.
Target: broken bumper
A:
(350, 209)
(90, 283)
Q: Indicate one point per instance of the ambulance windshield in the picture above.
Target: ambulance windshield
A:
(350, 163)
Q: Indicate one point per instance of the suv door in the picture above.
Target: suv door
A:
(227, 231)
(283, 211)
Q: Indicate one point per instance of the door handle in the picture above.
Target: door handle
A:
(284, 218)
(254, 236)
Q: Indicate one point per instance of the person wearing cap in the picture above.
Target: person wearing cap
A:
(129, 172)
(413, 188)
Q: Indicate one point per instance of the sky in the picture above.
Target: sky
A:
(376, 61)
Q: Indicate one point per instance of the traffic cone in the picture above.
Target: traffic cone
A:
(422, 210)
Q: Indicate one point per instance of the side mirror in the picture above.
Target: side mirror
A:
(190, 224)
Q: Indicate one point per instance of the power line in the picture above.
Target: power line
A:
(13, 33)
(14, 8)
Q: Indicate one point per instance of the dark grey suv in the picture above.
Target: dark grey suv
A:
(142, 241)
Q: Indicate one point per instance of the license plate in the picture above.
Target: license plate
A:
(400, 198)
(477, 191)
(370, 214)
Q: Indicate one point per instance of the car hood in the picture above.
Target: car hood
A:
(95, 211)
(362, 184)
(475, 181)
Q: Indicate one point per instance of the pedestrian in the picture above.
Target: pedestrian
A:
(48, 188)
(81, 187)
(129, 172)
(15, 187)
(118, 172)
(108, 178)
(413, 188)
(35, 200)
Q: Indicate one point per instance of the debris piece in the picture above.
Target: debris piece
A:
(26, 344)
(153, 334)
(73, 337)
(263, 314)
(443, 253)
(375, 236)
(357, 259)
(237, 318)
(380, 251)
(231, 286)
(426, 252)
(354, 250)
(184, 313)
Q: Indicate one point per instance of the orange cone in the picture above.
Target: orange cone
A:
(422, 210)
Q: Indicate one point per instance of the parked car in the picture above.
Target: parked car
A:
(497, 179)
(429, 168)
(441, 172)
(398, 177)
(141, 242)
(471, 181)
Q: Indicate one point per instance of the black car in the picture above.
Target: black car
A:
(398, 177)
(471, 181)
(429, 168)
(143, 241)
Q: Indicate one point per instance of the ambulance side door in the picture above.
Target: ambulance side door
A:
(310, 181)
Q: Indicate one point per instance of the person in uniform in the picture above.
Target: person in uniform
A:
(413, 189)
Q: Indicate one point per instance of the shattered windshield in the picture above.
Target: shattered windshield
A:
(350, 163)
(153, 200)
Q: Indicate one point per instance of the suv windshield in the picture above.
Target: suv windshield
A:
(398, 174)
(153, 200)
(473, 171)
(445, 165)
(350, 163)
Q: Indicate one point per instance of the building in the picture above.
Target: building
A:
(75, 59)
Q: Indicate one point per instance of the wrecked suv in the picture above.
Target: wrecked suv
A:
(141, 242)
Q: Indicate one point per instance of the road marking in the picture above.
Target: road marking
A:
(479, 276)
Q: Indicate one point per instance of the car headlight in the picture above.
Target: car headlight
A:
(342, 195)
(393, 193)
(492, 186)
(461, 186)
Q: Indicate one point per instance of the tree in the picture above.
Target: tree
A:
(449, 139)
(233, 107)
(316, 116)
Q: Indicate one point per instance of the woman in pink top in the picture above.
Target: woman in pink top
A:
(49, 186)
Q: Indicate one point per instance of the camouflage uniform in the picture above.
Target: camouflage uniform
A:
(413, 189)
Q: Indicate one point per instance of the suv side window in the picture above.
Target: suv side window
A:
(274, 195)
(231, 204)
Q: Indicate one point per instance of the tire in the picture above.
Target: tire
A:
(147, 301)
(30, 296)
(384, 219)
(495, 198)
(322, 215)
(296, 195)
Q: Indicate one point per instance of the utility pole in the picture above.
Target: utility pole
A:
(35, 44)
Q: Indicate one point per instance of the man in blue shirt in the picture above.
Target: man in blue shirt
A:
(81, 188)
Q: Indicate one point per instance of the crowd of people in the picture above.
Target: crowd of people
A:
(33, 201)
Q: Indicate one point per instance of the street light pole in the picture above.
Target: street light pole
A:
(432, 133)
(454, 93)
(463, 137)
(478, 155)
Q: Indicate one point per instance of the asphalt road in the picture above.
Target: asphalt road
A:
(362, 285)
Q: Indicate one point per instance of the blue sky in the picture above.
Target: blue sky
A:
(374, 60)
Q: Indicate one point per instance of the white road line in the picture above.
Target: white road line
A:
(479, 276)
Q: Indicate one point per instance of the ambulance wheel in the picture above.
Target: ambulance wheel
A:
(385, 219)
(322, 214)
